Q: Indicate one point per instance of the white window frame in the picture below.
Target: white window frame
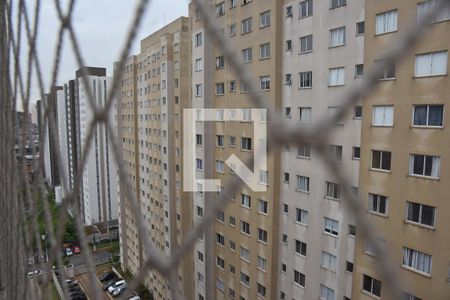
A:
(435, 170)
(264, 19)
(264, 51)
(417, 261)
(336, 76)
(410, 214)
(384, 24)
(376, 202)
(303, 183)
(427, 121)
(387, 115)
(306, 44)
(331, 226)
(428, 62)
(337, 37)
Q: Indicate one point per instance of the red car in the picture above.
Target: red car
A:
(76, 250)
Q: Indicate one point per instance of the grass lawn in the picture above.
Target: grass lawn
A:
(112, 247)
(53, 292)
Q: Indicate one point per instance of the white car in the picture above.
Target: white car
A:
(135, 298)
(34, 273)
(119, 289)
(115, 285)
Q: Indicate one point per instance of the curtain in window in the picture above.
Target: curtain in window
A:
(417, 260)
(305, 114)
(436, 166)
(439, 63)
(420, 115)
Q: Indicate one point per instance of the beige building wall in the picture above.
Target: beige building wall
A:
(313, 258)
(427, 237)
(219, 269)
(162, 80)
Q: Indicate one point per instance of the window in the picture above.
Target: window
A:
(303, 183)
(306, 43)
(378, 204)
(383, 116)
(263, 176)
(232, 86)
(426, 6)
(337, 37)
(264, 19)
(428, 115)
(305, 80)
(357, 112)
(388, 72)
(232, 221)
(264, 82)
(220, 141)
(335, 152)
(417, 260)
(304, 150)
(288, 11)
(424, 165)
(246, 115)
(420, 213)
(337, 3)
(328, 261)
(220, 9)
(220, 285)
(233, 29)
(200, 256)
(233, 3)
(326, 293)
(246, 144)
(220, 216)
(360, 28)
(220, 262)
(289, 45)
(431, 64)
(198, 39)
(299, 278)
(232, 246)
(305, 114)
(407, 296)
(359, 70)
(351, 230)
(198, 90)
(247, 55)
(262, 235)
(331, 226)
(336, 76)
(199, 211)
(262, 206)
(287, 79)
(261, 263)
(301, 216)
(287, 112)
(333, 190)
(386, 22)
(349, 267)
(232, 141)
(264, 51)
(246, 201)
(245, 279)
(286, 177)
(284, 239)
(300, 247)
(220, 88)
(371, 285)
(285, 209)
(306, 8)
(199, 164)
(260, 289)
(220, 62)
(244, 2)
(381, 160)
(199, 139)
(356, 153)
(220, 166)
(245, 227)
(220, 239)
(246, 25)
(198, 64)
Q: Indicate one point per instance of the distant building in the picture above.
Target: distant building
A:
(99, 184)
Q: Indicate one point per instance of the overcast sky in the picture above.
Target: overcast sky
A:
(101, 27)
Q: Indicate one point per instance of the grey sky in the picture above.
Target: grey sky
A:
(101, 27)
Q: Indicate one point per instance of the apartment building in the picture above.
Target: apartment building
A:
(98, 188)
(237, 258)
(155, 90)
(323, 44)
(404, 156)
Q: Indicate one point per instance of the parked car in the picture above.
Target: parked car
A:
(78, 296)
(69, 252)
(106, 276)
(34, 273)
(135, 298)
(115, 285)
(70, 282)
(119, 290)
(109, 283)
(76, 250)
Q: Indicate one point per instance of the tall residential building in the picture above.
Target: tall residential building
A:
(238, 256)
(154, 91)
(404, 171)
(99, 186)
(323, 44)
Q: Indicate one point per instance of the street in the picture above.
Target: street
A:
(78, 259)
